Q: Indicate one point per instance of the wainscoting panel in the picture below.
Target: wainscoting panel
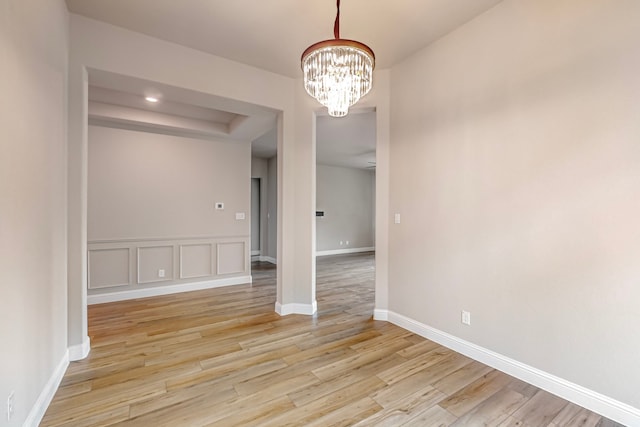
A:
(232, 257)
(132, 268)
(152, 260)
(109, 268)
(196, 260)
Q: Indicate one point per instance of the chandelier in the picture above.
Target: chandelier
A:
(338, 72)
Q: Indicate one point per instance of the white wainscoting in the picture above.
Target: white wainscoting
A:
(166, 290)
(195, 260)
(136, 268)
(151, 260)
(232, 257)
(111, 267)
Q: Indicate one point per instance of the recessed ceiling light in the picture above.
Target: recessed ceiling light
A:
(151, 99)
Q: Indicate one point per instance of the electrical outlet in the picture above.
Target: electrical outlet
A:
(347, 243)
(10, 405)
(161, 273)
(466, 318)
(341, 242)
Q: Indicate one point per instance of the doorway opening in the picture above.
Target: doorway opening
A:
(264, 204)
(255, 217)
(345, 203)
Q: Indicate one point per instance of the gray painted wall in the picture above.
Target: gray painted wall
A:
(152, 217)
(260, 170)
(346, 195)
(33, 198)
(272, 208)
(515, 168)
(255, 215)
(144, 185)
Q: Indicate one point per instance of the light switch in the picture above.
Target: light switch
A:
(396, 218)
(239, 215)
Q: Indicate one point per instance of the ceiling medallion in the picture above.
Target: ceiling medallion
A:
(338, 72)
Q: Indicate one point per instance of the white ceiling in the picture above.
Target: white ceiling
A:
(349, 141)
(271, 35)
(118, 101)
(163, 106)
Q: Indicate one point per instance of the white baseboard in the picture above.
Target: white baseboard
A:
(254, 253)
(166, 290)
(264, 259)
(345, 251)
(596, 402)
(46, 395)
(379, 314)
(80, 351)
(306, 309)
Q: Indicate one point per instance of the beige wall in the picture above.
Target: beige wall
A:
(272, 208)
(260, 170)
(346, 195)
(145, 185)
(255, 216)
(33, 144)
(152, 217)
(301, 227)
(515, 163)
(380, 98)
(259, 167)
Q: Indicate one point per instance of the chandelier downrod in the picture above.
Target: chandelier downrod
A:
(336, 25)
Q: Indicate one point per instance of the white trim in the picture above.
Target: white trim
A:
(164, 239)
(380, 314)
(166, 290)
(345, 251)
(46, 395)
(594, 401)
(306, 309)
(80, 351)
(254, 253)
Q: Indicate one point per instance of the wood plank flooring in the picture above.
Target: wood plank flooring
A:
(222, 357)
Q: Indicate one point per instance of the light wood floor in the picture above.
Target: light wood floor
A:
(222, 357)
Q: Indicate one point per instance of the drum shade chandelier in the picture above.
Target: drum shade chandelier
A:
(338, 72)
